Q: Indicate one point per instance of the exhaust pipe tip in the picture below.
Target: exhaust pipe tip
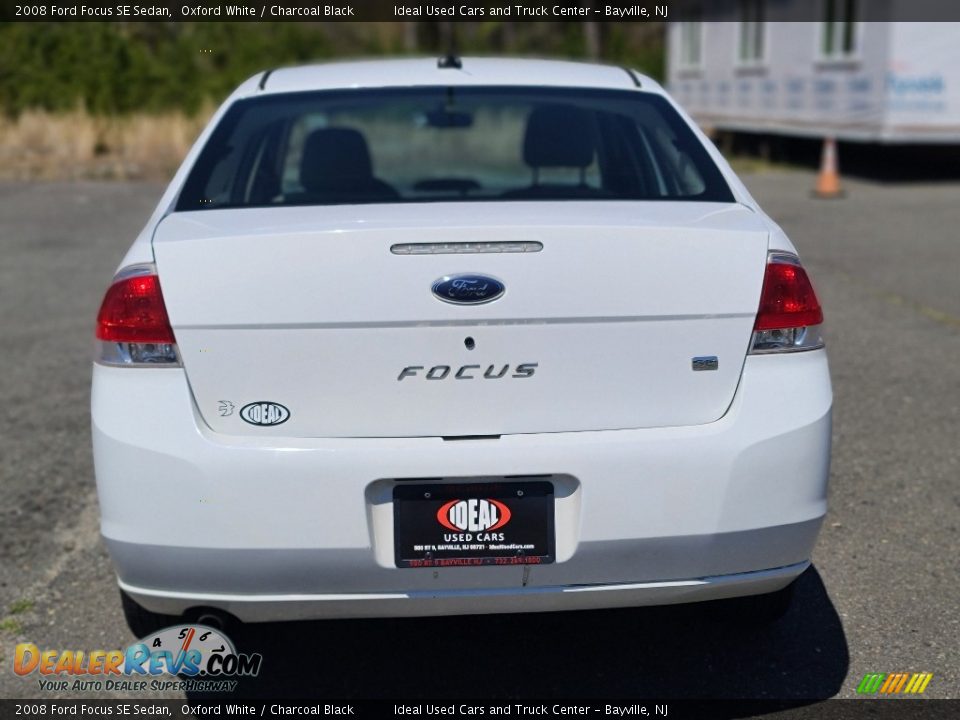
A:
(212, 617)
(212, 620)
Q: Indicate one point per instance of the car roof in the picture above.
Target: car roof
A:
(427, 72)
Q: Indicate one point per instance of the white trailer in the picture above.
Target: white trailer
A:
(739, 69)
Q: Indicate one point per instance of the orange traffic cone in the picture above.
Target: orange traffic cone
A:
(828, 179)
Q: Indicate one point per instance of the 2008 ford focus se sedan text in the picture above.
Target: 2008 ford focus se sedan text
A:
(476, 336)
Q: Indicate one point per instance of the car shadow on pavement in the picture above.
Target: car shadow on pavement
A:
(670, 652)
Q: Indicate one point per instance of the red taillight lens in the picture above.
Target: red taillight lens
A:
(133, 312)
(787, 299)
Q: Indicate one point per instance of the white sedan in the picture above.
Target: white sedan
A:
(470, 336)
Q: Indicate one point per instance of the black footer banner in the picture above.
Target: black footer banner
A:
(894, 709)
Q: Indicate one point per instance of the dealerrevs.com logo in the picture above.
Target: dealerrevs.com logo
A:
(203, 657)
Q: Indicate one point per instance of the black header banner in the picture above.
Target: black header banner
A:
(451, 11)
(336, 11)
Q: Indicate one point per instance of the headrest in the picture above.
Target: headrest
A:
(559, 136)
(335, 159)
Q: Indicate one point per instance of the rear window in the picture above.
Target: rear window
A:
(450, 144)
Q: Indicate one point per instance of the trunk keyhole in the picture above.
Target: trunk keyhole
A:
(469, 343)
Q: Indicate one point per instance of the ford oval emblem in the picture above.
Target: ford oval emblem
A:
(264, 413)
(468, 289)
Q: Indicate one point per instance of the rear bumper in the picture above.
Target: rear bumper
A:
(271, 529)
(277, 607)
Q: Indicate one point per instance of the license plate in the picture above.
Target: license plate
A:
(499, 523)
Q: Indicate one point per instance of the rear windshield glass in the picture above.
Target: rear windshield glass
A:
(450, 144)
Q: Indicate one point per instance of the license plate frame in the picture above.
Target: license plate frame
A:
(475, 532)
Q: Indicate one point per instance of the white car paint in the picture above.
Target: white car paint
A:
(353, 331)
(671, 486)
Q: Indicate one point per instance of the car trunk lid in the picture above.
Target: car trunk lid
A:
(613, 323)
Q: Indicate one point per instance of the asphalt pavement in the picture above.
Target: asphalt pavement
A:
(883, 595)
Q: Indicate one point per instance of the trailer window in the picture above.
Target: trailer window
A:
(839, 30)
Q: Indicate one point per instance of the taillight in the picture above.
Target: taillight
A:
(789, 316)
(132, 325)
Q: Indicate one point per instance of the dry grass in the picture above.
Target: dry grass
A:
(68, 146)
